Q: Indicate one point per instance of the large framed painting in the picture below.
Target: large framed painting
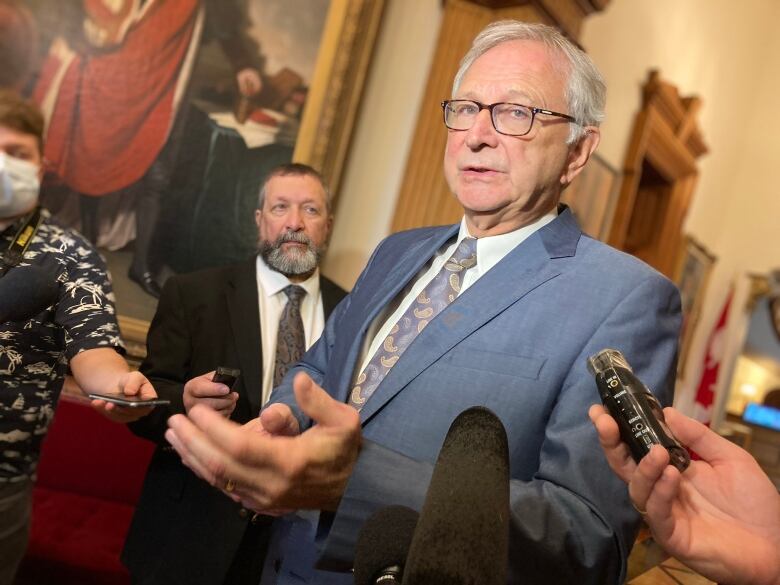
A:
(163, 116)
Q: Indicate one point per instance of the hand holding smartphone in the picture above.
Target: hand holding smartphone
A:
(127, 400)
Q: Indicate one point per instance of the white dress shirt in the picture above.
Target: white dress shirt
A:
(272, 300)
(490, 251)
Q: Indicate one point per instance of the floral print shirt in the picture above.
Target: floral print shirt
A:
(34, 353)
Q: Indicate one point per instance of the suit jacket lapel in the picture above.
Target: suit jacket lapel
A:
(244, 311)
(525, 268)
(400, 271)
(387, 278)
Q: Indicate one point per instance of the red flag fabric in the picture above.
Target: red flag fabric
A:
(705, 394)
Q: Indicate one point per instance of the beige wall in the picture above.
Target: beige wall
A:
(383, 135)
(723, 51)
(708, 48)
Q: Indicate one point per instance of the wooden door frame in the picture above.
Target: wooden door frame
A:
(665, 134)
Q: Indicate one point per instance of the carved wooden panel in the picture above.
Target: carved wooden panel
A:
(659, 176)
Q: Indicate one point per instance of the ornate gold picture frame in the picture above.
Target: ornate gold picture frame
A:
(88, 57)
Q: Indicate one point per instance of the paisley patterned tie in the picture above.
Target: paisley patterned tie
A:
(439, 293)
(291, 339)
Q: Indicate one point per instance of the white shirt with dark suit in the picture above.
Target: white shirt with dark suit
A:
(184, 530)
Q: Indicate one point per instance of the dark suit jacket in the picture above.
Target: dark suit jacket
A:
(184, 530)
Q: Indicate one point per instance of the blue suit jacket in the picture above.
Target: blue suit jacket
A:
(516, 342)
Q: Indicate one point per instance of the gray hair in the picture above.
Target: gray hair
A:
(585, 89)
(293, 170)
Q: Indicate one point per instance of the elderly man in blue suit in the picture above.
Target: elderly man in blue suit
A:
(501, 310)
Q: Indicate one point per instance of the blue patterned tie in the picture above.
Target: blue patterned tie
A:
(291, 339)
(439, 293)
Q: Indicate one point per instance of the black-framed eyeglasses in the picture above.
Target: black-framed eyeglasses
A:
(509, 119)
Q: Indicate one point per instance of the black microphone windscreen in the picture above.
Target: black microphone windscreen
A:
(462, 536)
(25, 291)
(383, 544)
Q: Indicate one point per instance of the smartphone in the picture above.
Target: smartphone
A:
(637, 412)
(131, 401)
(226, 376)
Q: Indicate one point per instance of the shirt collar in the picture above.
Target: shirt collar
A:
(273, 282)
(492, 249)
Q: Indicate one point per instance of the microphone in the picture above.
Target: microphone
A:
(462, 537)
(637, 412)
(26, 291)
(382, 546)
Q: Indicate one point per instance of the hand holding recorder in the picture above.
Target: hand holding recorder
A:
(721, 516)
(213, 389)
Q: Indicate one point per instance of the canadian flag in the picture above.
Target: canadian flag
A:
(716, 345)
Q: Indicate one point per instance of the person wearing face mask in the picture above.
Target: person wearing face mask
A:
(56, 314)
(20, 186)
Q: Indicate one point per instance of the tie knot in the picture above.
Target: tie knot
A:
(295, 293)
(465, 255)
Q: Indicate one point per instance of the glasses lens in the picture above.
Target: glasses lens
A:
(512, 119)
(460, 114)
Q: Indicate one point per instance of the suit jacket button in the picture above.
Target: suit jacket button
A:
(244, 513)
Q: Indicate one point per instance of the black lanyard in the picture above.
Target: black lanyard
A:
(18, 246)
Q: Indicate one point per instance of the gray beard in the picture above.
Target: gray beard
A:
(292, 262)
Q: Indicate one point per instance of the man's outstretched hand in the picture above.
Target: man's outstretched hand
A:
(267, 464)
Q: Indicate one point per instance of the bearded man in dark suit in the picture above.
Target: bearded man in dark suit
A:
(259, 317)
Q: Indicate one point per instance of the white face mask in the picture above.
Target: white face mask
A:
(19, 186)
